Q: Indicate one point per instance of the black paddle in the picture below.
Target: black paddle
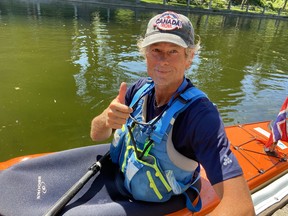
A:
(60, 204)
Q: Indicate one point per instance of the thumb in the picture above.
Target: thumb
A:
(122, 93)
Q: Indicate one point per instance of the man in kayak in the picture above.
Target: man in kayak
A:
(165, 127)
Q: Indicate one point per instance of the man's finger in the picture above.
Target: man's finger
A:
(122, 93)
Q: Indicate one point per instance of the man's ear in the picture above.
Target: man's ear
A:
(189, 59)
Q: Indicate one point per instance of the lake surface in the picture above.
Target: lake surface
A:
(62, 63)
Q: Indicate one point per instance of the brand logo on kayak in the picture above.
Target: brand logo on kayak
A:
(41, 187)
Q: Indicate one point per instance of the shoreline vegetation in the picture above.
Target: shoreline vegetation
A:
(228, 7)
(247, 7)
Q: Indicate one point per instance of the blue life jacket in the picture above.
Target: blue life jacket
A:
(153, 169)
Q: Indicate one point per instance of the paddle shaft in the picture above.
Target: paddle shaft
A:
(60, 204)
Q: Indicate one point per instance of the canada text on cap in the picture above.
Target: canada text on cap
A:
(169, 27)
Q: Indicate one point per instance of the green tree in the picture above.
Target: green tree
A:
(210, 4)
(284, 7)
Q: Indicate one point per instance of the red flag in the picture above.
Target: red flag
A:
(279, 128)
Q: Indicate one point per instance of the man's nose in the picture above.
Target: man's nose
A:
(164, 57)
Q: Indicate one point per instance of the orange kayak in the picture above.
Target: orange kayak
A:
(260, 169)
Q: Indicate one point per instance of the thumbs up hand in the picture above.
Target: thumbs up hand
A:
(113, 117)
(117, 112)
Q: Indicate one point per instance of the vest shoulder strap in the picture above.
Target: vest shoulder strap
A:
(179, 105)
(142, 91)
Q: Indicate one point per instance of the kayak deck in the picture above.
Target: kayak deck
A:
(247, 143)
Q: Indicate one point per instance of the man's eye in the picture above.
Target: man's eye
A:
(173, 52)
(156, 50)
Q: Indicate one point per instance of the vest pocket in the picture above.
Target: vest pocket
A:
(145, 181)
(153, 185)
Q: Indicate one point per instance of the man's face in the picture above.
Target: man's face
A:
(166, 64)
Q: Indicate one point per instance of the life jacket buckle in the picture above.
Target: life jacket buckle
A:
(182, 99)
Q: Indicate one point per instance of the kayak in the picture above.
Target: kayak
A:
(33, 183)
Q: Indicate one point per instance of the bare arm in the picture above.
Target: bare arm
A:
(113, 117)
(235, 198)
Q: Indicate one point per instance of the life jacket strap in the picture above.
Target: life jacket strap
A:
(196, 204)
(178, 105)
(145, 89)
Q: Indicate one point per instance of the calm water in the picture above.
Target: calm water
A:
(60, 65)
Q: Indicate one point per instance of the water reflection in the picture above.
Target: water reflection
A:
(234, 53)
